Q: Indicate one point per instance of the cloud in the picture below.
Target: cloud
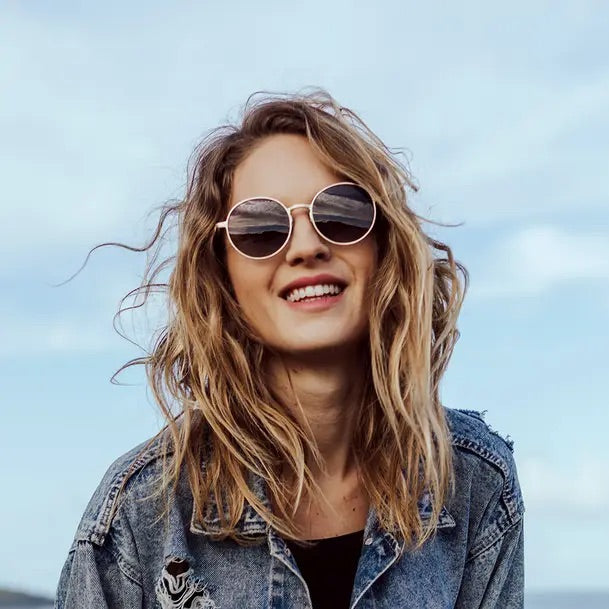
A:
(526, 139)
(103, 112)
(539, 258)
(84, 326)
(538, 158)
(35, 336)
(576, 490)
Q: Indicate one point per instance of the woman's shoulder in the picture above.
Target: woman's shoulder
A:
(129, 476)
(468, 427)
(486, 459)
(116, 545)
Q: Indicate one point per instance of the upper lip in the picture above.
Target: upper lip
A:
(301, 282)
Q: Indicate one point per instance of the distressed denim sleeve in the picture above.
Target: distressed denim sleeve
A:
(93, 577)
(494, 578)
(102, 574)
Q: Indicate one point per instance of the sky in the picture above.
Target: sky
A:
(501, 112)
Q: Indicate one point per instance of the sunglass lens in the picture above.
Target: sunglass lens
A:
(259, 227)
(343, 213)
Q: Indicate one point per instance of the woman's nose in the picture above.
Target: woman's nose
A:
(305, 243)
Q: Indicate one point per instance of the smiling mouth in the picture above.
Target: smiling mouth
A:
(314, 293)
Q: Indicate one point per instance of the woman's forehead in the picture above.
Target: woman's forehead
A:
(283, 166)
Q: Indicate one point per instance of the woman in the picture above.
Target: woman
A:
(307, 460)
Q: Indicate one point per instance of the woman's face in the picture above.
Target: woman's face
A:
(285, 167)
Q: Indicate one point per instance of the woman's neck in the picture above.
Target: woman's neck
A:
(329, 390)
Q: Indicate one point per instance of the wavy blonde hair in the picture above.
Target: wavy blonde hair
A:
(205, 366)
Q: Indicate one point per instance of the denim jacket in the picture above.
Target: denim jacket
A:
(124, 556)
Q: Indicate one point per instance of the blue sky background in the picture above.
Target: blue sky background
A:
(503, 113)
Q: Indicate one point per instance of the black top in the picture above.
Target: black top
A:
(329, 568)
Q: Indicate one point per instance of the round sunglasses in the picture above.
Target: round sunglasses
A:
(260, 227)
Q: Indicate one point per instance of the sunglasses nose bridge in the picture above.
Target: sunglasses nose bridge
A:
(307, 206)
(298, 206)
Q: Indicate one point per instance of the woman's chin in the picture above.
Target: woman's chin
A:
(311, 347)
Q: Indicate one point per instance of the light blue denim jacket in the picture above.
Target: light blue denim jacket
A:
(123, 556)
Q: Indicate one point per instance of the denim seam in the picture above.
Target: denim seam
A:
(488, 546)
(123, 564)
(480, 417)
(511, 501)
(103, 520)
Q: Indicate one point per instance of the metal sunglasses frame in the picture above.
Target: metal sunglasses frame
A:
(309, 206)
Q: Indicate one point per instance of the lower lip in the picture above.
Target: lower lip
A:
(321, 303)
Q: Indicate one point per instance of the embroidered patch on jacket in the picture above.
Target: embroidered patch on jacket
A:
(177, 589)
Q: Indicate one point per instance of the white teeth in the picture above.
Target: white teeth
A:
(313, 291)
